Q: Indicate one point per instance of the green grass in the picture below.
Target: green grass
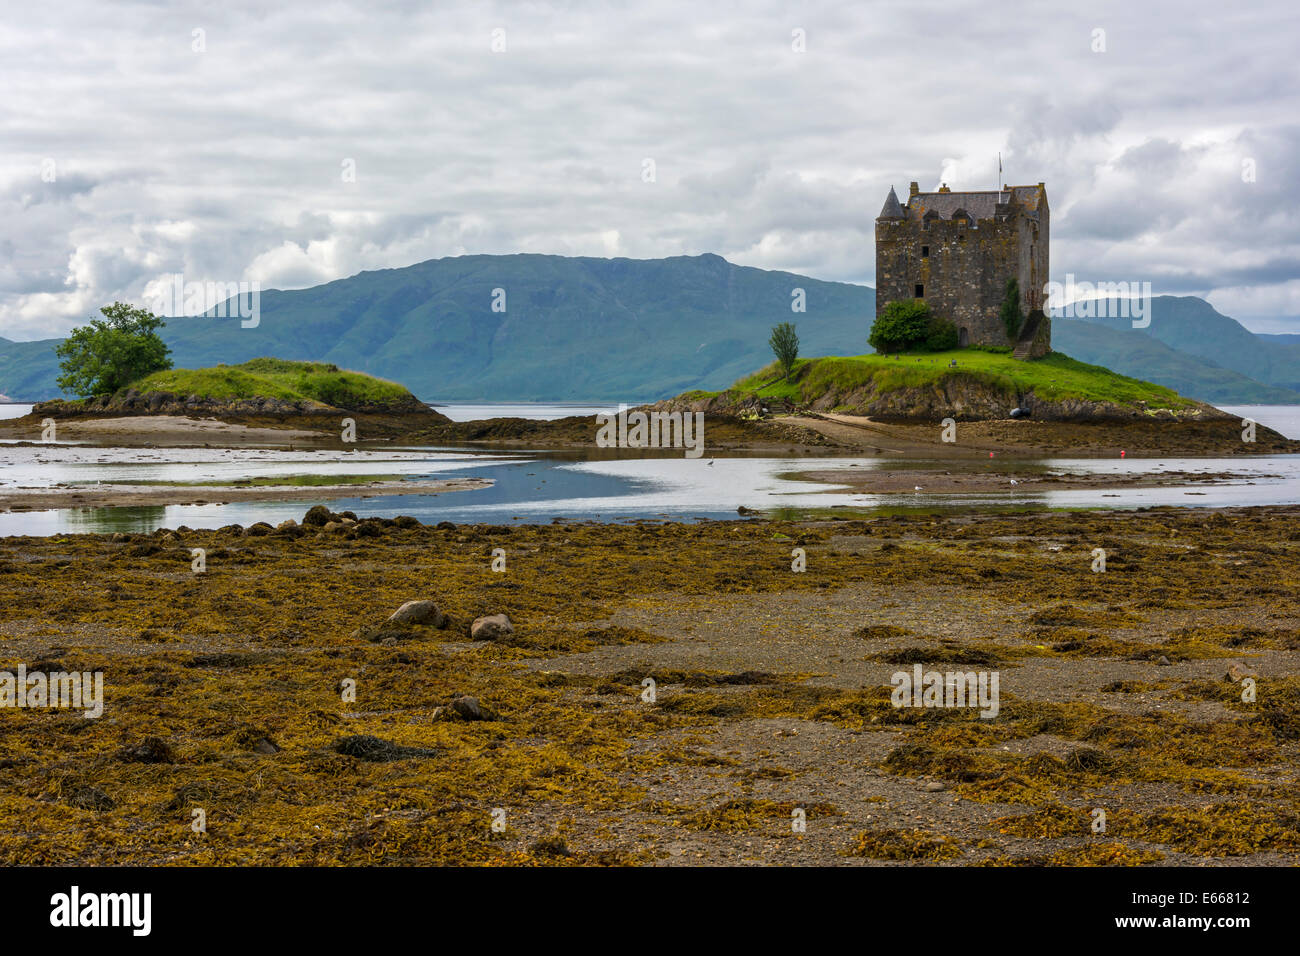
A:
(697, 394)
(276, 378)
(1055, 377)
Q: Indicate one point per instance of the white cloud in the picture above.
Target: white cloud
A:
(228, 164)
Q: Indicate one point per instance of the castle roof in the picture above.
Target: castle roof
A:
(977, 205)
(892, 209)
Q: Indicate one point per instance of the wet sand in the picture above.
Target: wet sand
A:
(1026, 438)
(155, 429)
(104, 496)
(937, 481)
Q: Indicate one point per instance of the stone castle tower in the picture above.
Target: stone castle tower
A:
(956, 251)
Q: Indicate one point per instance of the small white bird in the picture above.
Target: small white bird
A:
(917, 488)
(1014, 482)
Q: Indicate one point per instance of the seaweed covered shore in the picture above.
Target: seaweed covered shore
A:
(660, 693)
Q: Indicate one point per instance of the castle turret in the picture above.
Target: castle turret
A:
(892, 209)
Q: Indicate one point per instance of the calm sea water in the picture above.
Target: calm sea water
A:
(541, 488)
(548, 486)
(538, 411)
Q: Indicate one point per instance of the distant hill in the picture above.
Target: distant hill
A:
(1280, 338)
(573, 328)
(1192, 326)
(585, 329)
(29, 370)
(1131, 352)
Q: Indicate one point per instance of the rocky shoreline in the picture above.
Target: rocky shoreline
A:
(835, 424)
(133, 402)
(962, 398)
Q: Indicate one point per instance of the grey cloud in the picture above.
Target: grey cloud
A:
(226, 162)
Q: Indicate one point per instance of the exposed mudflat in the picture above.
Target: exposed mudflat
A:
(92, 496)
(799, 434)
(158, 428)
(946, 482)
(1028, 438)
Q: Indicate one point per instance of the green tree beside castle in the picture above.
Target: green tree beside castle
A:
(908, 325)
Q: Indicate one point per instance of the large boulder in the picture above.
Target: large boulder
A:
(418, 612)
(468, 708)
(491, 627)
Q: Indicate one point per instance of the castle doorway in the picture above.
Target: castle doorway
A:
(963, 337)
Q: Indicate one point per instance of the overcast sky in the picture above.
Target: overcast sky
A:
(145, 139)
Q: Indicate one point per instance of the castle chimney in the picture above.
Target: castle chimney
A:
(943, 188)
(913, 188)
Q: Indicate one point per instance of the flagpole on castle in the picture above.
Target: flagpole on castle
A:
(999, 176)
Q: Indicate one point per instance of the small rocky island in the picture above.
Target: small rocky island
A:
(310, 398)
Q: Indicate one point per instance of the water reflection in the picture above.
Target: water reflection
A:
(546, 487)
(136, 520)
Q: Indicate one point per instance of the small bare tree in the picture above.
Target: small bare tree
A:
(785, 345)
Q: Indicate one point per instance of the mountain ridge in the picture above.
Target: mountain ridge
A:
(612, 329)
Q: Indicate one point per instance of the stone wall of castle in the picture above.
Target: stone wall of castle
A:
(960, 267)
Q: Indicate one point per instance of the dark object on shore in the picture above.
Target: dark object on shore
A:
(491, 627)
(1019, 413)
(468, 707)
(318, 516)
(465, 707)
(552, 846)
(149, 750)
(375, 750)
(91, 798)
(418, 612)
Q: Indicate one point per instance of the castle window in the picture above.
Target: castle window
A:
(961, 237)
(920, 292)
(925, 252)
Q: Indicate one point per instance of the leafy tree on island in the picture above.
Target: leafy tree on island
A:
(112, 352)
(899, 326)
(785, 345)
(908, 325)
(1011, 315)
